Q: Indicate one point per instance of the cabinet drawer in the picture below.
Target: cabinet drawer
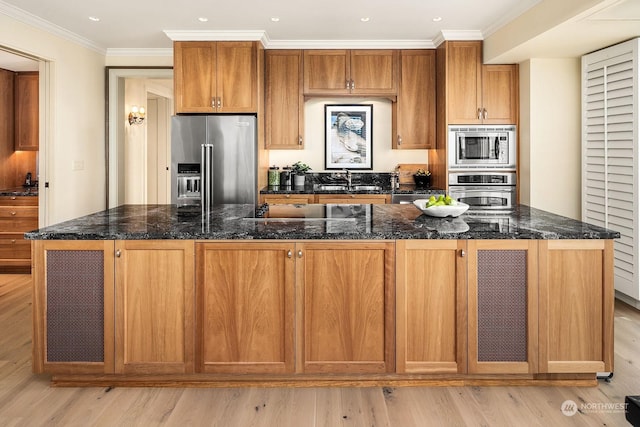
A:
(14, 246)
(18, 201)
(30, 212)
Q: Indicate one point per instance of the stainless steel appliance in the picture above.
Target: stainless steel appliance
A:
(482, 146)
(484, 190)
(213, 159)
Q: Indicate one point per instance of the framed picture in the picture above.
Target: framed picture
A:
(348, 136)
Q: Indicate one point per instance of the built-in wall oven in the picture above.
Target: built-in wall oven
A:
(482, 147)
(493, 191)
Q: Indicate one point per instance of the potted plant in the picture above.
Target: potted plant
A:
(299, 170)
(422, 178)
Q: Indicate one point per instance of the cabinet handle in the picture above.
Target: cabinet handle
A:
(479, 113)
(287, 196)
(399, 140)
(300, 254)
(13, 197)
(353, 85)
(462, 253)
(118, 253)
(348, 84)
(289, 254)
(219, 102)
(13, 240)
(485, 114)
(13, 214)
(213, 103)
(299, 140)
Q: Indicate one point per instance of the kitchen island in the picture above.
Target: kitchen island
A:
(322, 295)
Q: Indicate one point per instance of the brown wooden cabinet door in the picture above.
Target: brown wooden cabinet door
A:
(353, 198)
(236, 78)
(73, 317)
(414, 113)
(346, 302)
(374, 72)
(26, 111)
(285, 199)
(576, 306)
(245, 307)
(499, 94)
(327, 72)
(284, 101)
(464, 82)
(503, 306)
(194, 76)
(431, 289)
(154, 306)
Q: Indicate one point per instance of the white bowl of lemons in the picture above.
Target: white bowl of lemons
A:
(441, 206)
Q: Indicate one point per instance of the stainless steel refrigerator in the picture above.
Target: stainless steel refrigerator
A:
(213, 159)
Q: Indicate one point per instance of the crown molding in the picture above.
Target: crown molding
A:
(350, 44)
(41, 24)
(139, 52)
(240, 35)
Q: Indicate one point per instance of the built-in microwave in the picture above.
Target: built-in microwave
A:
(482, 146)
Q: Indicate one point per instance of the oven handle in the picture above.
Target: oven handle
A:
(484, 189)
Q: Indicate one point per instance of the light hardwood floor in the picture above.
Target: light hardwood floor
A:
(28, 400)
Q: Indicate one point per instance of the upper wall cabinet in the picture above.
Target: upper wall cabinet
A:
(215, 77)
(26, 128)
(414, 114)
(351, 72)
(284, 122)
(479, 94)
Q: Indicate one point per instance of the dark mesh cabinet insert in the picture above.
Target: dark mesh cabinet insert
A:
(502, 305)
(75, 306)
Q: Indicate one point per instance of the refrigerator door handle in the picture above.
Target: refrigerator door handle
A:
(206, 176)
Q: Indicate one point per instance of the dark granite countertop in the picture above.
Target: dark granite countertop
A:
(384, 189)
(389, 222)
(20, 191)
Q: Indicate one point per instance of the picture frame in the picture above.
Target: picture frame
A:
(348, 136)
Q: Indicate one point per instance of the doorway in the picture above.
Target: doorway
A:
(138, 156)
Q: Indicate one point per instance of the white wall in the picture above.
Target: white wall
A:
(75, 131)
(550, 135)
(384, 158)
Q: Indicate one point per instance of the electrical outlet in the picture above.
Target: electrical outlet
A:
(77, 165)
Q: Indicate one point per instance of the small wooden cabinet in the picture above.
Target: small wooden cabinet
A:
(353, 198)
(215, 77)
(284, 103)
(154, 306)
(285, 199)
(245, 307)
(477, 93)
(18, 214)
(414, 113)
(576, 306)
(73, 311)
(502, 306)
(351, 72)
(346, 303)
(26, 114)
(431, 289)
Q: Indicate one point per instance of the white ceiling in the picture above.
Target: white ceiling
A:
(540, 28)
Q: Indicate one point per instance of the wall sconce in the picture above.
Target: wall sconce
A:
(136, 116)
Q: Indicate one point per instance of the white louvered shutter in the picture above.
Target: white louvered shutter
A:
(610, 154)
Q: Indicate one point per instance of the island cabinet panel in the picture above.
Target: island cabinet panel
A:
(353, 198)
(245, 311)
(346, 307)
(73, 301)
(154, 306)
(503, 306)
(576, 306)
(431, 286)
(286, 199)
(215, 77)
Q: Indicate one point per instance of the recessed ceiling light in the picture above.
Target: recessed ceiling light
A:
(203, 19)
(437, 19)
(94, 18)
(365, 19)
(275, 19)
